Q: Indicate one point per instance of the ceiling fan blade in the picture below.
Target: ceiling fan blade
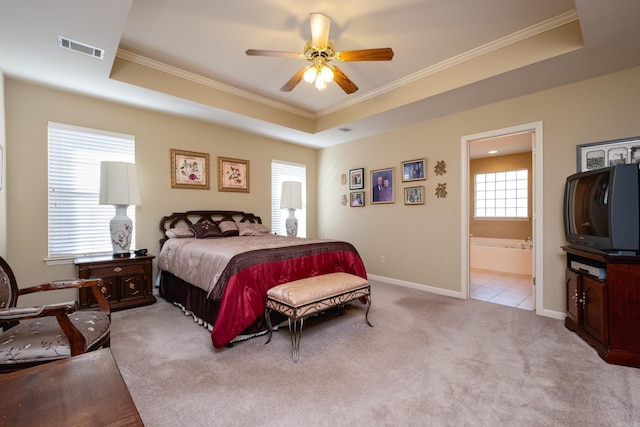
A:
(279, 53)
(293, 81)
(382, 54)
(343, 81)
(320, 29)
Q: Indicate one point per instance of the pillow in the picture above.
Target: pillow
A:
(251, 229)
(178, 232)
(228, 228)
(262, 228)
(205, 229)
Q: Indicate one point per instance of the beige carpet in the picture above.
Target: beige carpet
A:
(429, 360)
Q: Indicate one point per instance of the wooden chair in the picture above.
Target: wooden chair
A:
(40, 334)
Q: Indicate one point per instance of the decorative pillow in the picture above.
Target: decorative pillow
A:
(251, 229)
(228, 228)
(247, 229)
(178, 232)
(262, 228)
(205, 229)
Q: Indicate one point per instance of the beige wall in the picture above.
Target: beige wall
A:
(3, 166)
(502, 229)
(422, 244)
(30, 107)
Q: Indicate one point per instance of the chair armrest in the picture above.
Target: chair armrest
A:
(23, 313)
(94, 284)
(61, 284)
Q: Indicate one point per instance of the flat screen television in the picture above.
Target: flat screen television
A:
(602, 210)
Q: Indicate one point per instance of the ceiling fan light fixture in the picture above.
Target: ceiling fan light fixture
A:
(326, 74)
(320, 83)
(310, 74)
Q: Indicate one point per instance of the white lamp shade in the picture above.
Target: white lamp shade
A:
(291, 197)
(119, 184)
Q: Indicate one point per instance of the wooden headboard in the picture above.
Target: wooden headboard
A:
(185, 219)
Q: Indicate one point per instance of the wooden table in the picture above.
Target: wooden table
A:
(85, 390)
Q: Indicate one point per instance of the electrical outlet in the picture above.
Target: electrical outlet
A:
(382, 260)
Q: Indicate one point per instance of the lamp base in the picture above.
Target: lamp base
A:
(121, 228)
(292, 223)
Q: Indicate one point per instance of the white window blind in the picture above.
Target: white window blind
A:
(502, 194)
(280, 172)
(78, 225)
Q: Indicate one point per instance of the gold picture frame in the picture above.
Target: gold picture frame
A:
(233, 175)
(189, 170)
(383, 185)
(414, 195)
(414, 170)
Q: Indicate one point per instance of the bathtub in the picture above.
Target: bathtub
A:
(506, 255)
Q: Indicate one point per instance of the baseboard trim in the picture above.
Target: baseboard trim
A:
(545, 313)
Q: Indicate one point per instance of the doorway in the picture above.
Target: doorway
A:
(501, 265)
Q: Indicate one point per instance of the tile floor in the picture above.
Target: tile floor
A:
(497, 287)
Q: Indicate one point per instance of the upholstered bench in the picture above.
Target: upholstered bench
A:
(302, 298)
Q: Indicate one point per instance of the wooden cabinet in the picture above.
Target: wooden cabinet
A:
(605, 311)
(127, 281)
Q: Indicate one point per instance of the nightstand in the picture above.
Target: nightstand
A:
(127, 281)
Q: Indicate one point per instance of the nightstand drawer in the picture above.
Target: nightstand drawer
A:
(117, 270)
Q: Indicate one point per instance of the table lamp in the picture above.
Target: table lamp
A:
(119, 187)
(291, 198)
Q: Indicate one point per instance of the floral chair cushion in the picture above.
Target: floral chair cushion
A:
(17, 345)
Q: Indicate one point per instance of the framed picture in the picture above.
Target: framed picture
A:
(414, 170)
(233, 175)
(597, 155)
(414, 195)
(189, 170)
(357, 199)
(356, 179)
(382, 186)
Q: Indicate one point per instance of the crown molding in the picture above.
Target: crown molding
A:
(195, 78)
(510, 39)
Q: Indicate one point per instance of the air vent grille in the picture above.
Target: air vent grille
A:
(75, 46)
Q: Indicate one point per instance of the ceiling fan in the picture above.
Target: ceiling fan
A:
(319, 51)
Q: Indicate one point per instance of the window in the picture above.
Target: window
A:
(283, 171)
(78, 225)
(502, 194)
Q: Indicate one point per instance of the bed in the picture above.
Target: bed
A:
(222, 280)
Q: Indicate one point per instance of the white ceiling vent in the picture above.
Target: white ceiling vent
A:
(66, 43)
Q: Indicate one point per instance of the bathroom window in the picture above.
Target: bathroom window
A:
(502, 194)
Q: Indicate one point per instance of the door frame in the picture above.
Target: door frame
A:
(537, 206)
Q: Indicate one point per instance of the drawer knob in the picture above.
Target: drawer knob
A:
(117, 269)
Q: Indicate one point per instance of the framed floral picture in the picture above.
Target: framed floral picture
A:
(414, 195)
(189, 170)
(233, 175)
(356, 179)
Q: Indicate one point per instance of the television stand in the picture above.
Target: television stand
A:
(605, 312)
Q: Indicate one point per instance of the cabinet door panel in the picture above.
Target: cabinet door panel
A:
(108, 287)
(595, 308)
(133, 286)
(572, 280)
